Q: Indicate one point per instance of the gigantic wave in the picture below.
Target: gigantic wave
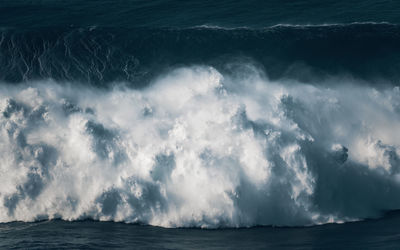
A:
(102, 55)
(200, 148)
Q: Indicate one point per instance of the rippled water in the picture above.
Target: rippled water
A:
(57, 234)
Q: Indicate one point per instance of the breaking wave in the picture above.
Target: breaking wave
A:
(200, 148)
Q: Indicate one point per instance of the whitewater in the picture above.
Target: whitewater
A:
(200, 148)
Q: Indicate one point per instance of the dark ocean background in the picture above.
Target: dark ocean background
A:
(99, 42)
(94, 96)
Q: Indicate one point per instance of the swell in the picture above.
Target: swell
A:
(200, 148)
(100, 56)
(173, 13)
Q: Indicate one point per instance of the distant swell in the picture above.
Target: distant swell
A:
(100, 56)
(196, 147)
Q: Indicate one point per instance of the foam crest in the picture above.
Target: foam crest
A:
(199, 149)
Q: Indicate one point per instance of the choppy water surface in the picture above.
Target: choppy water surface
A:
(57, 234)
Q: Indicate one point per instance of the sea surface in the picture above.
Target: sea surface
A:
(199, 124)
(57, 234)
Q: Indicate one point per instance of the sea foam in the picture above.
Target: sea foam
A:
(198, 148)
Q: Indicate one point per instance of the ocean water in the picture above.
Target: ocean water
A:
(172, 124)
(369, 234)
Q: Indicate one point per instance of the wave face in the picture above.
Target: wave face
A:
(100, 56)
(198, 148)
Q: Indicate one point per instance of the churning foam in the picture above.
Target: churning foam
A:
(197, 148)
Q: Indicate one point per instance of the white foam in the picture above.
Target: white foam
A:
(197, 148)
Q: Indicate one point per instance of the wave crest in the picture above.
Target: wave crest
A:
(199, 148)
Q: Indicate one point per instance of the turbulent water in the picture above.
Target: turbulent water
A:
(218, 121)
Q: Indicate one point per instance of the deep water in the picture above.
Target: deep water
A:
(149, 115)
(370, 234)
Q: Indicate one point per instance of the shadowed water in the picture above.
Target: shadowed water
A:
(57, 234)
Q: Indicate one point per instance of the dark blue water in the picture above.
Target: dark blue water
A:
(173, 13)
(99, 42)
(91, 91)
(370, 234)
